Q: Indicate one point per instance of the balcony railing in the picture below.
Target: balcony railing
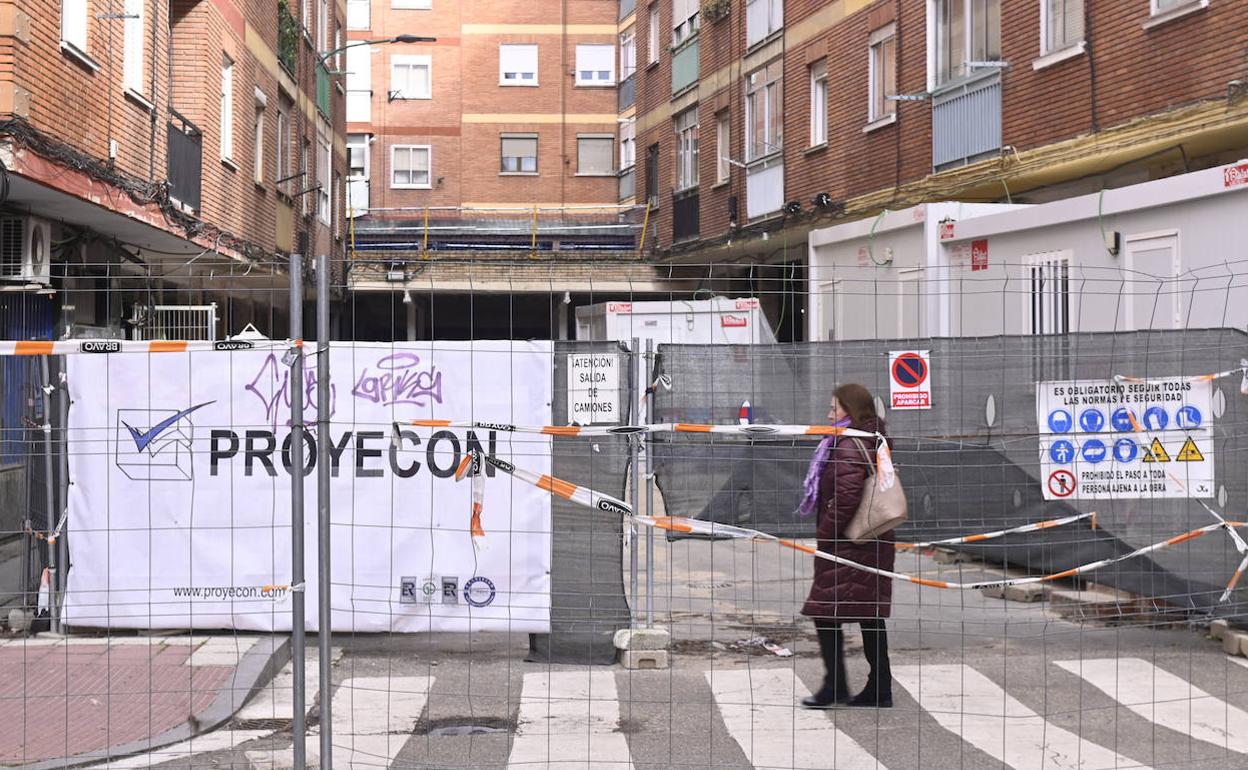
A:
(628, 183)
(186, 158)
(966, 121)
(627, 91)
(287, 38)
(685, 223)
(685, 66)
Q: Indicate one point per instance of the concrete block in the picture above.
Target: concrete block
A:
(941, 556)
(1028, 592)
(1218, 628)
(1233, 642)
(643, 639)
(1243, 646)
(643, 659)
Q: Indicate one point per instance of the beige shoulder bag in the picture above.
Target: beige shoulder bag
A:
(883, 505)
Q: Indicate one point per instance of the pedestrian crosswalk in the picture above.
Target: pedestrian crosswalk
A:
(1079, 714)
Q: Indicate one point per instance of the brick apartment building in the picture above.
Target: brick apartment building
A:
(757, 120)
(164, 154)
(484, 179)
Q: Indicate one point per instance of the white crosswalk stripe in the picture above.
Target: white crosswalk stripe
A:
(760, 709)
(1165, 699)
(569, 719)
(203, 744)
(973, 707)
(276, 700)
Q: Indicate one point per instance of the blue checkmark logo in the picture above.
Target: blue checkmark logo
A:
(143, 438)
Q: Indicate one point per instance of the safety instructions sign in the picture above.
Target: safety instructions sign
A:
(910, 379)
(594, 388)
(1119, 440)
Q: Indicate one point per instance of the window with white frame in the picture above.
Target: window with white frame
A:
(684, 20)
(1049, 276)
(282, 151)
(359, 14)
(324, 171)
(357, 156)
(883, 75)
(595, 155)
(764, 111)
(1061, 23)
(517, 64)
(966, 31)
(652, 44)
(302, 180)
(322, 26)
(411, 77)
(595, 65)
(686, 124)
(410, 166)
(628, 53)
(518, 154)
(74, 24)
(1159, 7)
(411, 5)
(818, 102)
(226, 107)
(133, 69)
(628, 144)
(257, 137)
(762, 17)
(723, 147)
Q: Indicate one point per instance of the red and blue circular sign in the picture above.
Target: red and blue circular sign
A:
(910, 370)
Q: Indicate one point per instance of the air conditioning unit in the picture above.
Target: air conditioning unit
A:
(25, 249)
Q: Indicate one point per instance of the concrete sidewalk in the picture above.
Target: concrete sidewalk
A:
(77, 700)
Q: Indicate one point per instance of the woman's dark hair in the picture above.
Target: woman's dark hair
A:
(857, 402)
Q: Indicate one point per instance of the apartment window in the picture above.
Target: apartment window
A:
(1062, 23)
(883, 75)
(411, 77)
(518, 154)
(762, 17)
(410, 166)
(302, 181)
(595, 65)
(357, 156)
(687, 149)
(628, 54)
(723, 149)
(595, 155)
(764, 111)
(966, 30)
(324, 171)
(652, 44)
(1050, 293)
(652, 174)
(628, 144)
(359, 14)
(517, 65)
(74, 23)
(1162, 6)
(133, 68)
(411, 5)
(258, 137)
(322, 25)
(282, 150)
(227, 107)
(819, 103)
(684, 20)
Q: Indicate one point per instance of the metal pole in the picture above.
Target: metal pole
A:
(62, 506)
(635, 496)
(649, 398)
(298, 621)
(324, 628)
(54, 578)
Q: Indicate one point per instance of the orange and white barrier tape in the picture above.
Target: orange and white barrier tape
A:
(1243, 369)
(93, 346)
(999, 533)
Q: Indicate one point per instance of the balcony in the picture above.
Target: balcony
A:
(627, 91)
(322, 90)
(966, 121)
(287, 38)
(628, 183)
(685, 225)
(685, 66)
(185, 163)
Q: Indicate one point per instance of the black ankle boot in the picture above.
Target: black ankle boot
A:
(879, 690)
(873, 696)
(834, 690)
(826, 699)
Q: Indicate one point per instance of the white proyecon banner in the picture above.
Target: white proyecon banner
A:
(179, 504)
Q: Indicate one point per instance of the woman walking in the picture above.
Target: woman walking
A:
(835, 483)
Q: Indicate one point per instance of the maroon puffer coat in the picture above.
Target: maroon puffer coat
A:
(840, 592)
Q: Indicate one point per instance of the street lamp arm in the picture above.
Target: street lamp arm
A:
(321, 58)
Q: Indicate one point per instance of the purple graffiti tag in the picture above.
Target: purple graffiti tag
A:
(272, 386)
(398, 380)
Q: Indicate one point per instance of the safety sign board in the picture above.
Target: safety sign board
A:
(909, 379)
(1105, 439)
(594, 388)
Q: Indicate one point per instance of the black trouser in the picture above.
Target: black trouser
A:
(874, 647)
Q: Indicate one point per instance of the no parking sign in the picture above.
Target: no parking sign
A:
(909, 379)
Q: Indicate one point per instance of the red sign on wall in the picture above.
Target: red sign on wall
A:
(1235, 175)
(979, 254)
(946, 230)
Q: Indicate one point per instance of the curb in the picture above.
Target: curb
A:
(256, 669)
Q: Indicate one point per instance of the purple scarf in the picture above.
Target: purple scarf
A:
(810, 498)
